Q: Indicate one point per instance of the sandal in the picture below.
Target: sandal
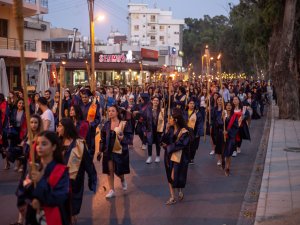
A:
(227, 172)
(171, 201)
(7, 166)
(180, 196)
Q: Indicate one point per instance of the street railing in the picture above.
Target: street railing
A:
(13, 44)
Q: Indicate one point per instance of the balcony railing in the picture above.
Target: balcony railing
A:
(13, 44)
(30, 1)
(43, 3)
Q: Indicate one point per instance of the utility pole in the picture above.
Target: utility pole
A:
(92, 44)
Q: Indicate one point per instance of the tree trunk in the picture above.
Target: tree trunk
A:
(283, 61)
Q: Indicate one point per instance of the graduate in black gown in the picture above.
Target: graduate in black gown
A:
(115, 136)
(232, 128)
(176, 144)
(78, 161)
(195, 122)
(48, 201)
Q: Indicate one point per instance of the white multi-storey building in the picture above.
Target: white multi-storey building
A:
(157, 29)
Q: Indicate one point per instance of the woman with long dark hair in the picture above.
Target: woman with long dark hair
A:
(176, 144)
(49, 198)
(36, 127)
(218, 128)
(82, 126)
(16, 130)
(34, 106)
(114, 146)
(232, 128)
(195, 122)
(78, 160)
(66, 103)
(242, 114)
(144, 118)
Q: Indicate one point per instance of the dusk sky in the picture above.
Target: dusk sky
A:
(74, 13)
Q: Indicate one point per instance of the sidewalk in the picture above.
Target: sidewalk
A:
(279, 199)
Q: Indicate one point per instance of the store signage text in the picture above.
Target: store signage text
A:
(112, 58)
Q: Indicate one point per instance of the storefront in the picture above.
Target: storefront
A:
(109, 73)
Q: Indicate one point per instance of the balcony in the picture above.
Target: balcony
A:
(9, 47)
(30, 7)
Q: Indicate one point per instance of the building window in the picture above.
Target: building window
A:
(152, 18)
(3, 28)
(176, 43)
(152, 27)
(135, 16)
(169, 26)
(162, 27)
(152, 38)
(176, 32)
(162, 38)
(136, 27)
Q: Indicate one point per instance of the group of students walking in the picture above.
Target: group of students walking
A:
(174, 119)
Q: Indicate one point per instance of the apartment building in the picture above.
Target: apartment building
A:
(34, 31)
(157, 29)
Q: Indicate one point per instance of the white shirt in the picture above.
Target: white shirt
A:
(202, 102)
(48, 115)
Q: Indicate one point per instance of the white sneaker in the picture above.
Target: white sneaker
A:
(238, 150)
(110, 194)
(234, 154)
(157, 159)
(144, 147)
(219, 163)
(124, 185)
(212, 152)
(149, 160)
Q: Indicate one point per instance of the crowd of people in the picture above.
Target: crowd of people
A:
(174, 118)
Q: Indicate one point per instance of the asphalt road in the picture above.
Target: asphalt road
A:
(210, 197)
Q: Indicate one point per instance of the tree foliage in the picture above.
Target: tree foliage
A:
(259, 37)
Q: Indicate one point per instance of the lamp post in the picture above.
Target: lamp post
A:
(92, 44)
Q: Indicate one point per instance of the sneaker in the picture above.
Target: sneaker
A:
(191, 162)
(234, 154)
(110, 194)
(16, 168)
(149, 160)
(212, 152)
(219, 163)
(124, 185)
(157, 159)
(238, 150)
(20, 170)
(144, 147)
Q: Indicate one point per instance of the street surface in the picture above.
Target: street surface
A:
(210, 197)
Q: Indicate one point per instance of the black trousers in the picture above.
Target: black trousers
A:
(194, 147)
(156, 141)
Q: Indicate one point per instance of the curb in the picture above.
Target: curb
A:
(247, 215)
(261, 206)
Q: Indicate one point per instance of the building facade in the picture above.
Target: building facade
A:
(34, 31)
(156, 28)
